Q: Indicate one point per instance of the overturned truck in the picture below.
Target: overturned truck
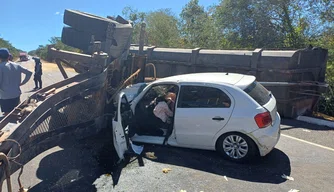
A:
(295, 77)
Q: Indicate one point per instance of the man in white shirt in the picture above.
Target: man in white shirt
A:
(10, 82)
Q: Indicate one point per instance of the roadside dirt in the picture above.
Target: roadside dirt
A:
(47, 66)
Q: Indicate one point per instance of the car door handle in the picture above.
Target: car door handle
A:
(218, 118)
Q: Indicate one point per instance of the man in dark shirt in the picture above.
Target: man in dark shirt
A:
(38, 73)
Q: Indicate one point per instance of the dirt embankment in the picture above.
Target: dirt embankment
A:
(53, 66)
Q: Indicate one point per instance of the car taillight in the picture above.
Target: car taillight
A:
(263, 119)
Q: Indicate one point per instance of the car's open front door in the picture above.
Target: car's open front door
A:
(121, 125)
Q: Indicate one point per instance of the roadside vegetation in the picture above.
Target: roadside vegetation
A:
(13, 50)
(42, 50)
(241, 24)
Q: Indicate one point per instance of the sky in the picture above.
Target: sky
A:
(29, 23)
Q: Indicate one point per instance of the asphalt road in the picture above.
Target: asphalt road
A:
(304, 152)
(318, 134)
(311, 166)
(51, 75)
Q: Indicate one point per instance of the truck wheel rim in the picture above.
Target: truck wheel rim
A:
(235, 146)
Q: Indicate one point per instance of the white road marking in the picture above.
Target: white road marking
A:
(314, 144)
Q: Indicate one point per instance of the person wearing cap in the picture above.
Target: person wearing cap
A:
(10, 82)
(38, 73)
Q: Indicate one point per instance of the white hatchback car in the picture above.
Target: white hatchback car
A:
(227, 112)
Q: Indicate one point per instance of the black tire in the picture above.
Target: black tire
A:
(250, 155)
(82, 21)
(86, 24)
(78, 39)
(74, 38)
(121, 20)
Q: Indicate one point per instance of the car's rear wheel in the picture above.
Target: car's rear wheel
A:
(237, 147)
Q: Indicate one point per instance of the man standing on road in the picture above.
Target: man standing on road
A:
(10, 82)
(38, 73)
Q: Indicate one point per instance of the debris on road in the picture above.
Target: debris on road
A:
(225, 178)
(287, 177)
(166, 170)
(306, 130)
(104, 183)
(151, 155)
(294, 190)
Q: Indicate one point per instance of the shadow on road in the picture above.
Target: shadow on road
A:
(74, 168)
(293, 124)
(265, 170)
(59, 172)
(80, 163)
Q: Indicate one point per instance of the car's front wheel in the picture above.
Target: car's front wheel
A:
(237, 147)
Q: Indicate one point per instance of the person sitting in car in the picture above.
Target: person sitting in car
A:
(162, 110)
(171, 102)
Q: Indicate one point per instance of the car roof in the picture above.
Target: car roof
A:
(236, 79)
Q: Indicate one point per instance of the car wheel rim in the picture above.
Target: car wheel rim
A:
(235, 146)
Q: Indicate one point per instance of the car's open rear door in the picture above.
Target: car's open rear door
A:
(121, 123)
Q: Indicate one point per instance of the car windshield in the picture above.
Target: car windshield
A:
(259, 93)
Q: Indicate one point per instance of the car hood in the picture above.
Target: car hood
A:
(132, 91)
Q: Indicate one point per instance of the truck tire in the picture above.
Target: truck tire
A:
(122, 41)
(74, 38)
(80, 40)
(86, 22)
(121, 20)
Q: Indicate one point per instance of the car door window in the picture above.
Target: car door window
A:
(203, 97)
(157, 90)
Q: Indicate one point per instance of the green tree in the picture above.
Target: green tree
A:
(263, 23)
(288, 16)
(323, 9)
(33, 52)
(42, 50)
(197, 26)
(161, 26)
(13, 50)
(136, 17)
(247, 24)
(326, 40)
(56, 42)
(162, 29)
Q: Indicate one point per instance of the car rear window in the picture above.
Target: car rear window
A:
(259, 93)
